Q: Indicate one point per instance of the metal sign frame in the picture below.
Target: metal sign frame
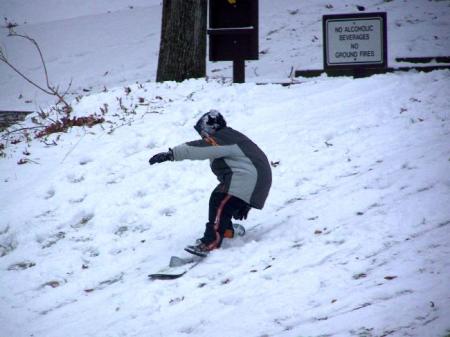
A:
(369, 59)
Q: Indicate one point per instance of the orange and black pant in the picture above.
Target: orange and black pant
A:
(222, 206)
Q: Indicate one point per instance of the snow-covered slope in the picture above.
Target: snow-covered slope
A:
(354, 239)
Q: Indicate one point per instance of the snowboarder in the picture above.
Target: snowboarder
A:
(241, 167)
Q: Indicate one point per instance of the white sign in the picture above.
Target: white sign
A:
(354, 41)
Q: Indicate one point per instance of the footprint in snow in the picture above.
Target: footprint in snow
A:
(8, 244)
(114, 178)
(75, 179)
(140, 194)
(90, 252)
(49, 194)
(121, 230)
(81, 219)
(52, 239)
(85, 160)
(169, 211)
(21, 265)
(77, 200)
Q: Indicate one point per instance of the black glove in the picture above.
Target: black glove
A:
(241, 213)
(161, 157)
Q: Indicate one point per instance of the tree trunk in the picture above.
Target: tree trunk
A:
(182, 52)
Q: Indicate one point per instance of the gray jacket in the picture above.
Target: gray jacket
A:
(241, 167)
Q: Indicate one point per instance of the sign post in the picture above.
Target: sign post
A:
(355, 43)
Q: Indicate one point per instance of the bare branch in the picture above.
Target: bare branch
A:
(7, 133)
(51, 90)
(68, 88)
(36, 45)
(5, 60)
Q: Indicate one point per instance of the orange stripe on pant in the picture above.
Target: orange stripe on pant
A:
(216, 242)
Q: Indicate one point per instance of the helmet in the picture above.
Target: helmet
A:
(209, 123)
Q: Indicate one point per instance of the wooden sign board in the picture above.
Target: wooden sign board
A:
(233, 30)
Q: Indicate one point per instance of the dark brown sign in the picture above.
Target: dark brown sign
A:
(233, 30)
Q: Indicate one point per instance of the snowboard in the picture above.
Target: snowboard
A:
(178, 266)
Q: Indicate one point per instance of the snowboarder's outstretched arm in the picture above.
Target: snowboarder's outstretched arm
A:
(195, 150)
(204, 149)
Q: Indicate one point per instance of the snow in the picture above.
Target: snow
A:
(354, 239)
